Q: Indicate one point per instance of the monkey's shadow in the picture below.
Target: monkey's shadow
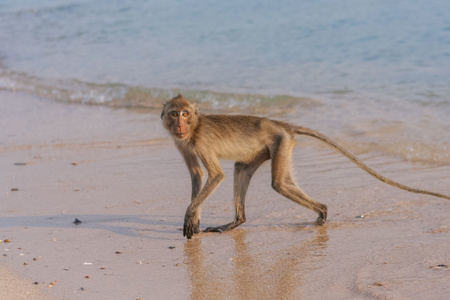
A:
(128, 225)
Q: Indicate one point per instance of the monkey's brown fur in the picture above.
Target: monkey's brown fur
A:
(249, 141)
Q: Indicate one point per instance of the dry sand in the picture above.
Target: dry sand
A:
(118, 173)
(13, 287)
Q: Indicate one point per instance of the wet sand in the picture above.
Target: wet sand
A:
(118, 173)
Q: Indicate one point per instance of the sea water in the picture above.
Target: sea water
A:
(373, 74)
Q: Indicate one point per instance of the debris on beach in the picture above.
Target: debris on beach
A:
(378, 284)
(24, 163)
(440, 267)
(77, 222)
(14, 190)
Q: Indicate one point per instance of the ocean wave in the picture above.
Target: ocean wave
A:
(143, 98)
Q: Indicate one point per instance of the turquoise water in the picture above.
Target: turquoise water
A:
(376, 70)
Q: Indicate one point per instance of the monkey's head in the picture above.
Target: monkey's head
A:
(180, 117)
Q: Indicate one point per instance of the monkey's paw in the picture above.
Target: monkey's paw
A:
(320, 221)
(190, 228)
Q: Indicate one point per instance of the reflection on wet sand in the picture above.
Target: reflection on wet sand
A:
(203, 286)
(272, 275)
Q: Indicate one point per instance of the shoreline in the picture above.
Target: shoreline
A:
(121, 176)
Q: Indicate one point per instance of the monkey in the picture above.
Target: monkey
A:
(249, 141)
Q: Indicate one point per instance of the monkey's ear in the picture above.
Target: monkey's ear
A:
(195, 108)
(164, 108)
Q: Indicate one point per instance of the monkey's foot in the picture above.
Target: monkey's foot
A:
(320, 221)
(217, 229)
(225, 227)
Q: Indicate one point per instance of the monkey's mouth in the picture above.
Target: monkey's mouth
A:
(181, 135)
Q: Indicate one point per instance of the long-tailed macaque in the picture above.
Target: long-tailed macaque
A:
(249, 141)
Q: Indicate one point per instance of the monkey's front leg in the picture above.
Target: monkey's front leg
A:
(196, 175)
(192, 216)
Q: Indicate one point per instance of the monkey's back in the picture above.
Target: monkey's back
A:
(237, 137)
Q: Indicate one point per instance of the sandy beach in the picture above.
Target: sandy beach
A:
(118, 173)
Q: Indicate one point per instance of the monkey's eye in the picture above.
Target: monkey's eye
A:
(185, 113)
(174, 114)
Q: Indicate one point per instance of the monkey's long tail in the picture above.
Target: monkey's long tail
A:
(359, 163)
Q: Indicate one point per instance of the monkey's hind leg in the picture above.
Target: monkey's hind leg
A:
(242, 175)
(303, 199)
(285, 186)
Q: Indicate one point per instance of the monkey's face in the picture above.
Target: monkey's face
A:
(180, 117)
(180, 120)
